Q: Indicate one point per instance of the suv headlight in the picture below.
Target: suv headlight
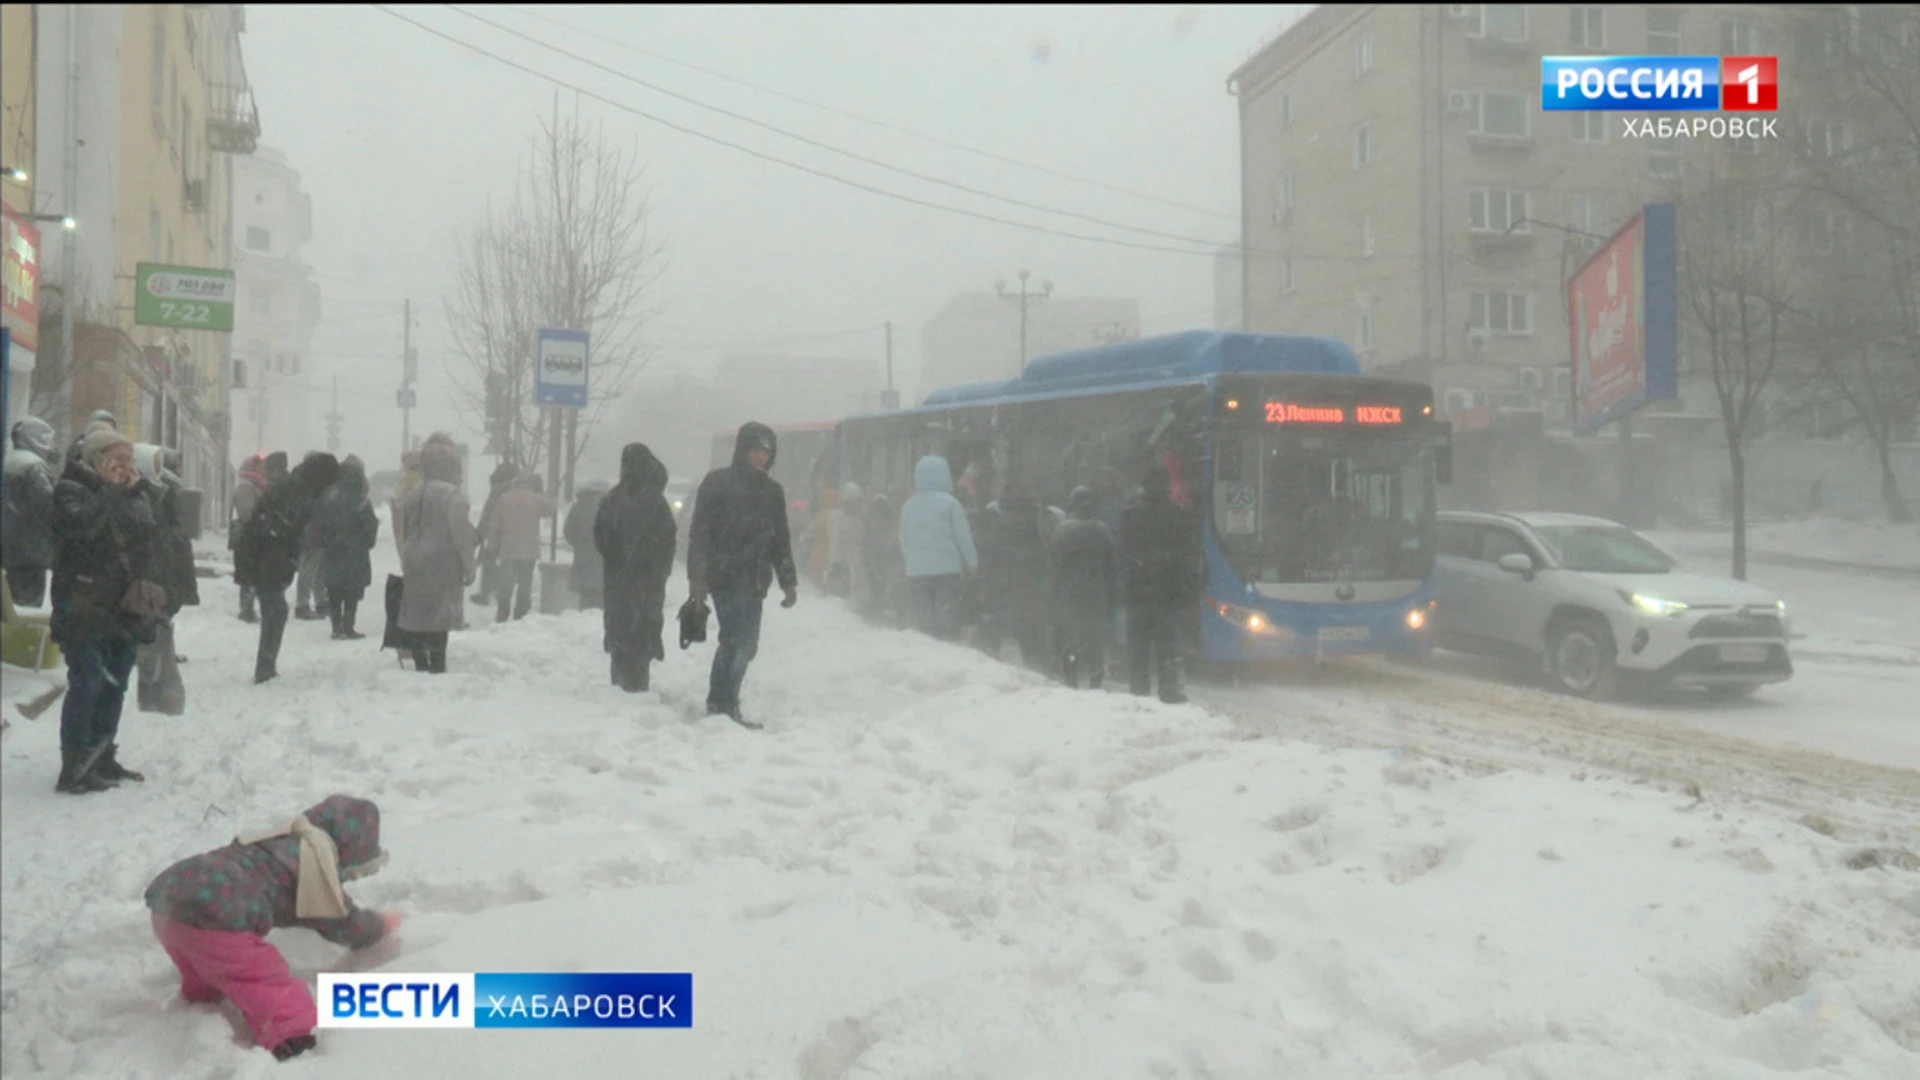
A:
(1652, 605)
(1244, 618)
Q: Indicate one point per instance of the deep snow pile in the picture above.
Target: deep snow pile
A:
(931, 864)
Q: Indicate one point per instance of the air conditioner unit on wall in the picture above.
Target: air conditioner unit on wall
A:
(1459, 101)
(1282, 215)
(1458, 11)
(1530, 378)
(1477, 341)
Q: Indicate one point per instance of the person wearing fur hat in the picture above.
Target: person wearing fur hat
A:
(269, 553)
(249, 483)
(212, 912)
(103, 528)
(26, 516)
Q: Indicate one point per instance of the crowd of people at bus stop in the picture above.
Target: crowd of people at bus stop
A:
(1057, 582)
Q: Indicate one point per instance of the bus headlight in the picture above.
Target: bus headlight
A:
(1244, 618)
(1417, 617)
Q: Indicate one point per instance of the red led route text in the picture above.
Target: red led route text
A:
(1285, 412)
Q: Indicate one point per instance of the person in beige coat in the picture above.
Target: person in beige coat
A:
(437, 556)
(516, 538)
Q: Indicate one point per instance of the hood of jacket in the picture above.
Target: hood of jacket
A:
(439, 462)
(755, 435)
(35, 436)
(253, 470)
(316, 472)
(642, 472)
(932, 473)
(528, 480)
(339, 841)
(352, 484)
(1082, 503)
(276, 467)
(504, 474)
(850, 494)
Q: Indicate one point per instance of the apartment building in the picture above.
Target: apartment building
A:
(139, 110)
(976, 336)
(1403, 191)
(20, 241)
(282, 404)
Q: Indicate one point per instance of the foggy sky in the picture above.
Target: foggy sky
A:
(401, 138)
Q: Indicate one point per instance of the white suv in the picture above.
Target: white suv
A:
(1596, 601)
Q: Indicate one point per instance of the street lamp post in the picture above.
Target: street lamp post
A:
(1026, 300)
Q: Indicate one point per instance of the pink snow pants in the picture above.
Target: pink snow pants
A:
(245, 970)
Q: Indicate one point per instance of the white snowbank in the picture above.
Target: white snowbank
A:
(931, 864)
(1871, 544)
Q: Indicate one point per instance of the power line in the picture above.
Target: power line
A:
(935, 139)
(775, 159)
(817, 144)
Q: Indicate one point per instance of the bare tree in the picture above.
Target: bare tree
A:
(50, 393)
(572, 250)
(1736, 302)
(1858, 166)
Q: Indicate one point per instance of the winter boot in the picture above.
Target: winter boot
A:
(109, 768)
(350, 612)
(263, 672)
(333, 617)
(294, 1047)
(304, 612)
(639, 676)
(75, 777)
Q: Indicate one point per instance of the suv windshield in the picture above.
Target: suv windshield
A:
(1603, 550)
(1291, 509)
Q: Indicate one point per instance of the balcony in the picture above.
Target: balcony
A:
(1497, 241)
(233, 127)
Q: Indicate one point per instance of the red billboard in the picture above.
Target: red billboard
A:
(1624, 321)
(20, 283)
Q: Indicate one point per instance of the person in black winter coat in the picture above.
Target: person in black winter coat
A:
(1161, 560)
(103, 529)
(1084, 573)
(738, 545)
(1013, 580)
(159, 687)
(634, 535)
(268, 555)
(348, 530)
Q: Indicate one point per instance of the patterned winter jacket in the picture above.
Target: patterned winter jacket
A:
(251, 888)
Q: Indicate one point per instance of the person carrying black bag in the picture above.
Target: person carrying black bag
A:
(634, 533)
(268, 556)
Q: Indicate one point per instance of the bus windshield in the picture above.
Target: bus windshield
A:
(1290, 508)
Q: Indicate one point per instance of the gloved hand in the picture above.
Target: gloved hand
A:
(790, 598)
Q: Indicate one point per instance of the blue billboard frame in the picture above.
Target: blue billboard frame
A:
(1659, 318)
(563, 396)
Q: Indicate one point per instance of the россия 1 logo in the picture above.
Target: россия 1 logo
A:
(1659, 83)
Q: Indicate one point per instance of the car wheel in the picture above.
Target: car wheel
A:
(1580, 659)
(1732, 691)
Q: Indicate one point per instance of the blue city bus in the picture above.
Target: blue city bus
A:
(1313, 484)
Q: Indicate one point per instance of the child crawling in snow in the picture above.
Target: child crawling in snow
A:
(212, 913)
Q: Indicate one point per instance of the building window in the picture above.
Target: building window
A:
(1366, 236)
(293, 363)
(1497, 115)
(1830, 138)
(1823, 230)
(158, 91)
(1502, 314)
(153, 235)
(1590, 214)
(1663, 159)
(1286, 108)
(260, 302)
(169, 247)
(1363, 333)
(1362, 145)
(1740, 222)
(1498, 22)
(1663, 31)
(173, 94)
(1286, 194)
(1362, 56)
(1739, 38)
(1286, 276)
(1589, 127)
(258, 239)
(1497, 211)
(1587, 27)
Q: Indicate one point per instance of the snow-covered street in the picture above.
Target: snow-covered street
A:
(932, 864)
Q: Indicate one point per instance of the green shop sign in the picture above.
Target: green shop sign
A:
(186, 297)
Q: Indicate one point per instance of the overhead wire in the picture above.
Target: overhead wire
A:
(851, 115)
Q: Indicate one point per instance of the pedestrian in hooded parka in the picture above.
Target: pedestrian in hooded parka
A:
(634, 534)
(101, 418)
(587, 575)
(348, 530)
(515, 539)
(268, 557)
(1164, 571)
(936, 544)
(498, 484)
(437, 560)
(26, 515)
(1013, 580)
(882, 568)
(103, 529)
(309, 588)
(1084, 574)
(738, 546)
(160, 688)
(249, 483)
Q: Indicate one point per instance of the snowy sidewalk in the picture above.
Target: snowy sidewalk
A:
(1818, 543)
(931, 864)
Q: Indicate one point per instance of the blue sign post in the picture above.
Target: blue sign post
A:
(560, 368)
